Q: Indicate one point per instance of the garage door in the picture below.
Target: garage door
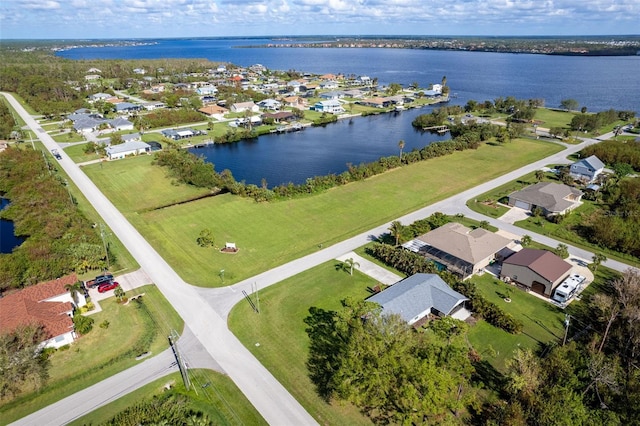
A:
(537, 287)
(523, 205)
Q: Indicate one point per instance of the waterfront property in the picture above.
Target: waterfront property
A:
(421, 295)
(538, 270)
(459, 249)
(552, 198)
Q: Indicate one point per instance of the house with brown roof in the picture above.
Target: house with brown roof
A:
(214, 111)
(539, 270)
(459, 249)
(552, 198)
(49, 304)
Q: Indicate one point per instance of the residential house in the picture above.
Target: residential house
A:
(270, 104)
(87, 124)
(99, 97)
(295, 102)
(331, 106)
(587, 169)
(552, 198)
(280, 116)
(92, 77)
(329, 85)
(214, 111)
(538, 270)
(131, 137)
(179, 134)
(151, 105)
(120, 123)
(245, 106)
(128, 148)
(334, 94)
(460, 249)
(49, 304)
(420, 295)
(124, 107)
(207, 90)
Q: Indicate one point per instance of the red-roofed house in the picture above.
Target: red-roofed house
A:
(539, 270)
(49, 304)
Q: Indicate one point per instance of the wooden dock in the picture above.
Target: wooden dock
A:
(440, 129)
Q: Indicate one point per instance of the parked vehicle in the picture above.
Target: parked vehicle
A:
(103, 288)
(100, 279)
(56, 154)
(568, 288)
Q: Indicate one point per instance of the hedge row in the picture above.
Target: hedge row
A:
(488, 310)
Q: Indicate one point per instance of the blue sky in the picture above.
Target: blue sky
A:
(79, 19)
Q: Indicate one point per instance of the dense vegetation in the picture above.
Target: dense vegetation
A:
(380, 364)
(169, 409)
(60, 239)
(615, 152)
(167, 118)
(7, 123)
(592, 122)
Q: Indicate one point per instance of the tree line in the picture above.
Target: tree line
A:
(592, 122)
(7, 122)
(615, 152)
(60, 240)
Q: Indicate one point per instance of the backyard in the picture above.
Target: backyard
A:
(104, 351)
(270, 234)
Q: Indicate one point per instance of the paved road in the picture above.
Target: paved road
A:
(267, 395)
(206, 310)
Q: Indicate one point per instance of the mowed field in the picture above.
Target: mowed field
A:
(270, 234)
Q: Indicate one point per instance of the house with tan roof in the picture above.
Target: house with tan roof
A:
(552, 198)
(214, 111)
(538, 270)
(245, 106)
(459, 249)
(49, 304)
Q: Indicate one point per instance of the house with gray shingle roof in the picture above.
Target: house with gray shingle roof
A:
(587, 169)
(552, 198)
(419, 295)
(131, 147)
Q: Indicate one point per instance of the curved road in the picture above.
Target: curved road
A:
(205, 311)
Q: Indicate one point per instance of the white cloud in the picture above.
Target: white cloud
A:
(142, 18)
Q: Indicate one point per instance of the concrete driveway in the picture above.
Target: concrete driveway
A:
(514, 214)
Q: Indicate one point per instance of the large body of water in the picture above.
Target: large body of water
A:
(599, 83)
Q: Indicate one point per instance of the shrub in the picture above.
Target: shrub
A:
(83, 325)
(105, 324)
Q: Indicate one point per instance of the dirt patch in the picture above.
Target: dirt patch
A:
(229, 250)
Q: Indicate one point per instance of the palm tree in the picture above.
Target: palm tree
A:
(539, 175)
(396, 230)
(526, 240)
(401, 145)
(74, 290)
(597, 259)
(484, 224)
(350, 264)
(118, 292)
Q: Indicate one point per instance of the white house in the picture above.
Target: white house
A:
(331, 106)
(48, 304)
(270, 104)
(120, 123)
(207, 90)
(245, 106)
(132, 147)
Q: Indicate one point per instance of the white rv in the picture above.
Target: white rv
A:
(568, 288)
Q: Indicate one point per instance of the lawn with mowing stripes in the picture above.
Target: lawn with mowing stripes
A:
(270, 234)
(101, 353)
(277, 337)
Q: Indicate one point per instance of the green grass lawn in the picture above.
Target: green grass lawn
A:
(278, 339)
(102, 352)
(567, 231)
(68, 137)
(543, 322)
(220, 400)
(553, 118)
(270, 234)
(77, 154)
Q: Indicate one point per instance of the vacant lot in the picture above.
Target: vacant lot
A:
(270, 234)
(104, 351)
(277, 337)
(553, 118)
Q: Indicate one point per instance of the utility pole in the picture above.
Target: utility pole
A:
(567, 319)
(104, 244)
(173, 341)
(257, 297)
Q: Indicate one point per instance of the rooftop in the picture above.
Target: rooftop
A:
(546, 264)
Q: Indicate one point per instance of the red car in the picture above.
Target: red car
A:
(103, 288)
